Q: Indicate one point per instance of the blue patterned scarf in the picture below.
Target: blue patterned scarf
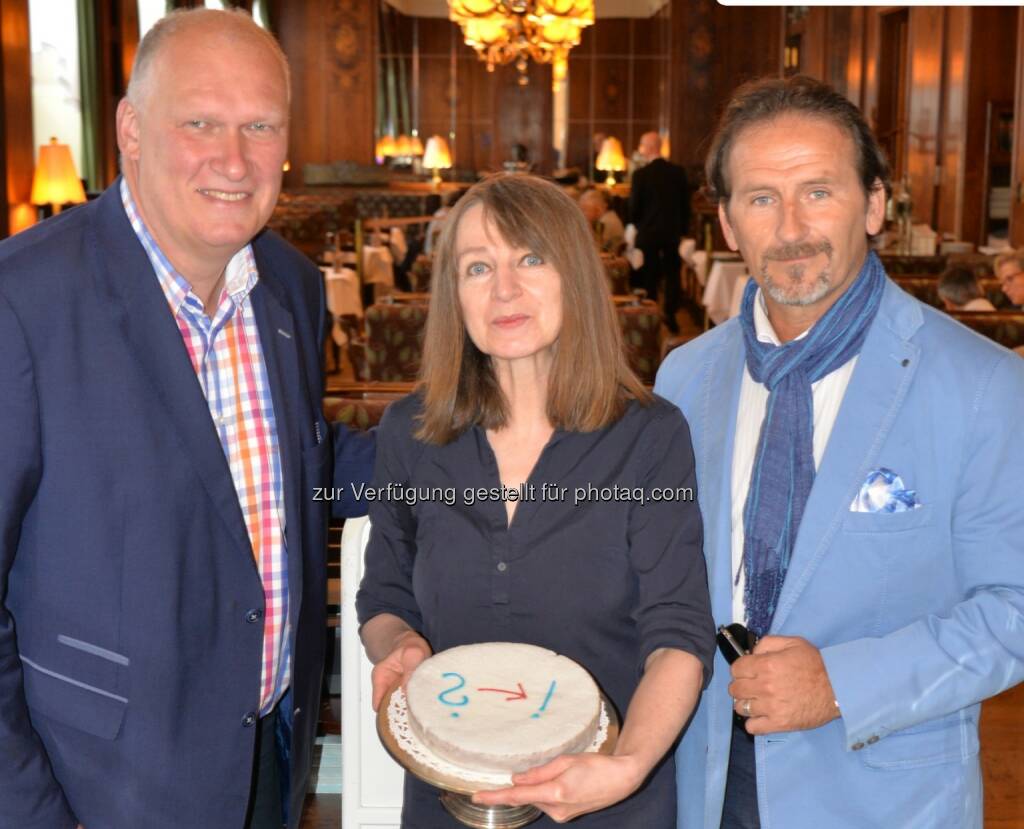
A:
(783, 472)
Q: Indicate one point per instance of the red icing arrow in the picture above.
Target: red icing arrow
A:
(520, 694)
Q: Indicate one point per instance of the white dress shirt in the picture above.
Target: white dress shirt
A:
(828, 395)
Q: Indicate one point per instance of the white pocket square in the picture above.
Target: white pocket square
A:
(883, 491)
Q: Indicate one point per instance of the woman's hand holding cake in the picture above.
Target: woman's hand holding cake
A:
(395, 649)
(576, 784)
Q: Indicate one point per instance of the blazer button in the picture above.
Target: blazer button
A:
(249, 720)
(254, 615)
(872, 739)
(502, 566)
(857, 746)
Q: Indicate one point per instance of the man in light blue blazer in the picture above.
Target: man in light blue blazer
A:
(859, 480)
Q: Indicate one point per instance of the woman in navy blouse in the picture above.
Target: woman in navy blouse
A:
(539, 493)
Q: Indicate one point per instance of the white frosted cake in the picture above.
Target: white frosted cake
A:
(502, 706)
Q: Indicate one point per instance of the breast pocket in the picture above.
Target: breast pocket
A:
(889, 522)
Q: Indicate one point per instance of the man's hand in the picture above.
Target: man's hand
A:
(410, 649)
(570, 785)
(782, 686)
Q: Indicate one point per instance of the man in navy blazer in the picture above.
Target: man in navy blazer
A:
(859, 475)
(162, 572)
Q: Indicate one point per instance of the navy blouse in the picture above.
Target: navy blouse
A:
(602, 561)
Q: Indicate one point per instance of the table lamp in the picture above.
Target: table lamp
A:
(437, 157)
(611, 159)
(56, 181)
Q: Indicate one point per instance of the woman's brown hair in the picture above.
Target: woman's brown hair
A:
(590, 381)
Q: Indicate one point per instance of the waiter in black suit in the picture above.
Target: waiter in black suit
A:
(659, 206)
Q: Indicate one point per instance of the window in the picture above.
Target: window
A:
(150, 11)
(56, 93)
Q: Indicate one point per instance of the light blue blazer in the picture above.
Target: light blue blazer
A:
(919, 615)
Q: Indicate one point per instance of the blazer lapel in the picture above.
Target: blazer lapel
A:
(714, 472)
(284, 371)
(125, 274)
(870, 406)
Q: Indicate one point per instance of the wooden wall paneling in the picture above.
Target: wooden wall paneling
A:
(692, 103)
(579, 153)
(649, 78)
(952, 160)
(524, 115)
(925, 39)
(855, 64)
(837, 51)
(19, 151)
(611, 92)
(647, 36)
(333, 80)
(351, 79)
(993, 48)
(4, 211)
(118, 33)
(302, 34)
(815, 43)
(1017, 170)
(869, 74)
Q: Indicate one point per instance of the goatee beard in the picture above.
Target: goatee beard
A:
(804, 295)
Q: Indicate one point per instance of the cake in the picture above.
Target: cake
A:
(502, 706)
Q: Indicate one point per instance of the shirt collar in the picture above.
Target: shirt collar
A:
(763, 326)
(240, 275)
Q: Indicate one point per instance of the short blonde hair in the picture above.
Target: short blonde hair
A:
(590, 381)
(1014, 256)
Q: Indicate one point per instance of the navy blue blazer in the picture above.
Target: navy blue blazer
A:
(129, 647)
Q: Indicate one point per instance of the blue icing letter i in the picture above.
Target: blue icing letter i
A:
(464, 700)
(547, 699)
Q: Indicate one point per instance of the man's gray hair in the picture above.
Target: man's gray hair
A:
(959, 285)
(234, 23)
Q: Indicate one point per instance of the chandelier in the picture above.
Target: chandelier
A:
(507, 31)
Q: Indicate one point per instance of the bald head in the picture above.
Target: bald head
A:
(650, 145)
(191, 28)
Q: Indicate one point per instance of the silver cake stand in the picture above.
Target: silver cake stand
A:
(456, 793)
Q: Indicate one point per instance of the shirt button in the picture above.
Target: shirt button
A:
(502, 566)
(872, 740)
(857, 746)
(253, 615)
(249, 720)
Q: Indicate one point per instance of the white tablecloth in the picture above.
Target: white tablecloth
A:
(378, 265)
(342, 289)
(721, 284)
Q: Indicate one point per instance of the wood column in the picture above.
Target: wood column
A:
(1017, 172)
(16, 139)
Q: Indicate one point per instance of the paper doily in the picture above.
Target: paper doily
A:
(398, 722)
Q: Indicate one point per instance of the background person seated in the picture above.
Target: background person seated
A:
(1009, 268)
(605, 223)
(959, 290)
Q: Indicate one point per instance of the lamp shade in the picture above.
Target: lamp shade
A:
(611, 157)
(385, 147)
(437, 156)
(415, 146)
(56, 180)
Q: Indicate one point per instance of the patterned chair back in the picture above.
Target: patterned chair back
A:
(394, 340)
(641, 333)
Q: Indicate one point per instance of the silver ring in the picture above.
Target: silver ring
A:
(746, 708)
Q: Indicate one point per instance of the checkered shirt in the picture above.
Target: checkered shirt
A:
(228, 360)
